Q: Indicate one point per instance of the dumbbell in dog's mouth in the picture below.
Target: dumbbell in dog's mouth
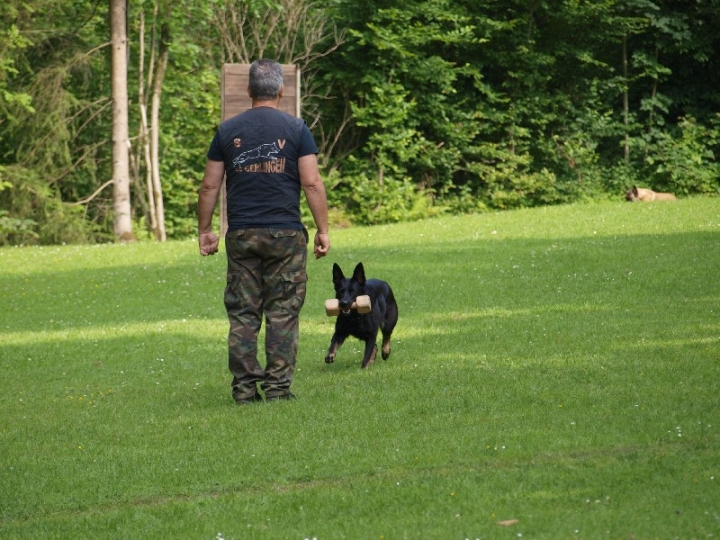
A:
(334, 307)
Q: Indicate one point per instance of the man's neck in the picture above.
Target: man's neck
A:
(274, 103)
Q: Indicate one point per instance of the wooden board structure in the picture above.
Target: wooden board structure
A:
(235, 100)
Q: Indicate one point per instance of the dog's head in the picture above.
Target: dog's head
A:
(632, 194)
(348, 289)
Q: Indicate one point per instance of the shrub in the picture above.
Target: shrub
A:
(684, 162)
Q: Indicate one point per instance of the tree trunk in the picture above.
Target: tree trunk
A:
(626, 100)
(158, 81)
(143, 132)
(122, 220)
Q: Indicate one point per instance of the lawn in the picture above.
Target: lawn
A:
(555, 374)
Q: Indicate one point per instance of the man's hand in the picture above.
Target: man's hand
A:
(209, 243)
(322, 244)
(207, 199)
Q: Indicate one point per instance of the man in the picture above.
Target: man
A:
(267, 156)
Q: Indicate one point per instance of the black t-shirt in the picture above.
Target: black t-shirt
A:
(260, 149)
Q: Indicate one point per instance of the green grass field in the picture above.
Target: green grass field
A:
(555, 374)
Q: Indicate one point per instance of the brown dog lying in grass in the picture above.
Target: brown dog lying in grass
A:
(647, 195)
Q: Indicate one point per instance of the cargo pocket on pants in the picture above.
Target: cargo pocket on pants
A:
(295, 288)
(232, 291)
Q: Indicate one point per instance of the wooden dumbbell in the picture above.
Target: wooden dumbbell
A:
(361, 304)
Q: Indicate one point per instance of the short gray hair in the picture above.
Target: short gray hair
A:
(266, 79)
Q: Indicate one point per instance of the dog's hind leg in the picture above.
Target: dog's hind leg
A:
(386, 347)
(335, 343)
(370, 353)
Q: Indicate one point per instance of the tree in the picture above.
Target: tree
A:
(53, 143)
(122, 219)
(150, 81)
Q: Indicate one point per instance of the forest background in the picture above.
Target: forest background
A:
(418, 107)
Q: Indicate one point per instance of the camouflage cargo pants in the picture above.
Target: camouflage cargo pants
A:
(266, 276)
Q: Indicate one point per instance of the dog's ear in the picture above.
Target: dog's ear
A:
(359, 274)
(634, 190)
(337, 273)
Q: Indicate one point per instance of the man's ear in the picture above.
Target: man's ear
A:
(248, 92)
(280, 92)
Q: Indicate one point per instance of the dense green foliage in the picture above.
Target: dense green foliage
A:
(556, 366)
(424, 107)
(511, 104)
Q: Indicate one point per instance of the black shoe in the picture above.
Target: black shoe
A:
(249, 401)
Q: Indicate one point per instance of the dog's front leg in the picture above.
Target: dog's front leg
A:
(335, 343)
(370, 352)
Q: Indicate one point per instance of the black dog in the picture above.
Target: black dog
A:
(383, 314)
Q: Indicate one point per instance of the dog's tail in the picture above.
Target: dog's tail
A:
(391, 313)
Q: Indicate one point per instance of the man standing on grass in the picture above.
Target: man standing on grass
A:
(267, 156)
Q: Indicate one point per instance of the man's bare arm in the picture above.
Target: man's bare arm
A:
(207, 200)
(314, 189)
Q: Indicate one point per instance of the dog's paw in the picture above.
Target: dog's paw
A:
(330, 358)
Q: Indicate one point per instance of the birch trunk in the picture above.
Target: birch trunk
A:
(122, 218)
(158, 81)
